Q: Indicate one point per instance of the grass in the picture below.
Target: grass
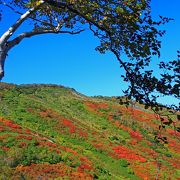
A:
(54, 132)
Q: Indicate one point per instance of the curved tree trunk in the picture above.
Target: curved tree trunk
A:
(4, 39)
(3, 54)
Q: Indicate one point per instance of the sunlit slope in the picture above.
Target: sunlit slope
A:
(49, 132)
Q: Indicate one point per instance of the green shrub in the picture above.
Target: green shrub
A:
(123, 163)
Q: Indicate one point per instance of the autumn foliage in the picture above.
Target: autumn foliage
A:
(81, 138)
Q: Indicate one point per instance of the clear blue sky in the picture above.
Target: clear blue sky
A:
(72, 61)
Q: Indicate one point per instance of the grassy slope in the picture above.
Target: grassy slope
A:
(54, 132)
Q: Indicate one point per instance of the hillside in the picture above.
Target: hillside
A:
(53, 132)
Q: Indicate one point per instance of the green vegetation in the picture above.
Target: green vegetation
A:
(54, 132)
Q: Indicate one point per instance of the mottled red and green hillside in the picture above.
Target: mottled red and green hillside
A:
(52, 132)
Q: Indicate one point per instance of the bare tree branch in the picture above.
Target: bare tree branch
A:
(18, 39)
(16, 25)
(20, 13)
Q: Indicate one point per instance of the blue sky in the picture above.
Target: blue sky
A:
(72, 61)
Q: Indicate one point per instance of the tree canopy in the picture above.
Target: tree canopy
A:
(122, 27)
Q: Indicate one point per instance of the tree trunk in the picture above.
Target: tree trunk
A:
(3, 54)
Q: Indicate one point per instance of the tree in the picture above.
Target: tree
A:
(122, 27)
(119, 25)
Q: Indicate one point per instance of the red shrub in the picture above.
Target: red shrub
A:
(1, 128)
(136, 135)
(29, 138)
(4, 148)
(28, 131)
(22, 144)
(12, 125)
(70, 125)
(123, 152)
(82, 133)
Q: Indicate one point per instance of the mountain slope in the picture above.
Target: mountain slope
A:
(49, 132)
